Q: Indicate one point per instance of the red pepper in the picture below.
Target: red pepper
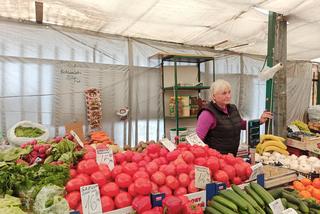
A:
(191, 208)
(172, 205)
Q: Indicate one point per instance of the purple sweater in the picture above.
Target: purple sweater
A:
(207, 121)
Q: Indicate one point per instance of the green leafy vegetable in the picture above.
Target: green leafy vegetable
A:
(30, 132)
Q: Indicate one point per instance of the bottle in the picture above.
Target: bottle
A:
(171, 107)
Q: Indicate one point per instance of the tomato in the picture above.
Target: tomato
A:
(180, 191)
(248, 172)
(192, 174)
(82, 166)
(163, 160)
(191, 208)
(183, 146)
(105, 170)
(159, 178)
(110, 189)
(142, 163)
(170, 170)
(123, 180)
(147, 158)
(142, 186)
(230, 159)
(222, 163)
(98, 178)
(123, 199)
(230, 170)
(140, 174)
(221, 176)
(154, 155)
(191, 187)
(163, 152)
(171, 156)
(89, 148)
(240, 170)
(213, 153)
(91, 166)
(137, 157)
(182, 168)
(129, 154)
(119, 158)
(73, 199)
(188, 156)
(154, 187)
(73, 173)
(173, 204)
(85, 178)
(141, 204)
(89, 155)
(172, 182)
(131, 190)
(157, 161)
(200, 161)
(237, 180)
(152, 167)
(130, 168)
(153, 148)
(107, 204)
(166, 190)
(116, 171)
(74, 184)
(198, 151)
(184, 179)
(213, 164)
(142, 168)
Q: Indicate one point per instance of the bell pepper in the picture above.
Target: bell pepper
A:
(191, 208)
(172, 205)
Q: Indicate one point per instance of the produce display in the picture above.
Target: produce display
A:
(307, 188)
(269, 143)
(30, 132)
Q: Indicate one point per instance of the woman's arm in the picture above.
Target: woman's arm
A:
(206, 121)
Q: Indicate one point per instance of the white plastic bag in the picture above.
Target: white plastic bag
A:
(17, 141)
(314, 113)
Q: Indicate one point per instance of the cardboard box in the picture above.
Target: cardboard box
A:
(311, 144)
(297, 144)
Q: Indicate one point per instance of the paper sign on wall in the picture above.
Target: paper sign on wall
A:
(105, 156)
(276, 206)
(168, 144)
(202, 176)
(193, 139)
(90, 199)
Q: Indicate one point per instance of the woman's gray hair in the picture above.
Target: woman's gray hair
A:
(219, 86)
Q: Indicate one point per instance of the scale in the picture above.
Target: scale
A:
(253, 137)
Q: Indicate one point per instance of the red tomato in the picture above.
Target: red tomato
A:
(170, 170)
(240, 170)
(153, 148)
(187, 156)
(171, 156)
(192, 174)
(142, 168)
(154, 187)
(89, 155)
(237, 180)
(163, 152)
(98, 178)
(129, 154)
(213, 153)
(131, 190)
(213, 164)
(73, 173)
(119, 158)
(130, 168)
(85, 178)
(172, 182)
(91, 166)
(123, 199)
(137, 157)
(180, 191)
(182, 168)
(123, 180)
(248, 171)
(157, 161)
(152, 167)
(163, 160)
(73, 199)
(110, 189)
(230, 159)
(192, 188)
(221, 176)
(141, 204)
(116, 171)
(200, 161)
(184, 179)
(166, 190)
(230, 170)
(147, 158)
(221, 163)
(142, 163)
(107, 203)
(154, 155)
(105, 171)
(81, 167)
(74, 184)
(159, 178)
(89, 148)
(198, 151)
(140, 174)
(142, 186)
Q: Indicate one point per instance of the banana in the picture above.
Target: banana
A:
(275, 148)
(271, 137)
(258, 148)
(273, 143)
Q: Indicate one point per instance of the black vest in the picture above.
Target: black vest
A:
(225, 137)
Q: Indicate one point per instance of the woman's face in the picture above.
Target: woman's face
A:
(222, 97)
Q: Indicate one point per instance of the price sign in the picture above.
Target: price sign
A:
(193, 139)
(202, 176)
(90, 199)
(105, 156)
(276, 206)
(168, 144)
(289, 211)
(79, 141)
(256, 170)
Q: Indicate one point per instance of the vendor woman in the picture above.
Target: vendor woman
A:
(219, 123)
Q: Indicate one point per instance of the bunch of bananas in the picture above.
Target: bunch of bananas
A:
(270, 143)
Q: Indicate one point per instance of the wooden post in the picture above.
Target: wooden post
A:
(280, 79)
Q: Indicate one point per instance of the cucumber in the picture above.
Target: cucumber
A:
(290, 198)
(235, 198)
(316, 211)
(269, 210)
(255, 196)
(222, 208)
(292, 205)
(241, 211)
(226, 202)
(284, 202)
(211, 210)
(264, 194)
(247, 197)
(276, 193)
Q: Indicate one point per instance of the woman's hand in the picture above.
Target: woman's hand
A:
(265, 116)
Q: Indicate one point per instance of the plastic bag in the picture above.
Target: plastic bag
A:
(314, 113)
(18, 141)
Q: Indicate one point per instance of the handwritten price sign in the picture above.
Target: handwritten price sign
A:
(193, 139)
(105, 156)
(168, 144)
(202, 176)
(90, 199)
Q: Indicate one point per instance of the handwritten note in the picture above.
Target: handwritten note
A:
(193, 139)
(202, 176)
(276, 206)
(105, 156)
(90, 199)
(168, 144)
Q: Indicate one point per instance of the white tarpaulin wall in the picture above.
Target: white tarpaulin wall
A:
(243, 23)
(33, 86)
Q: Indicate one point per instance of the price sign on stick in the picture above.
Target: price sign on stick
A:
(193, 139)
(276, 206)
(202, 176)
(79, 141)
(168, 144)
(90, 199)
(105, 156)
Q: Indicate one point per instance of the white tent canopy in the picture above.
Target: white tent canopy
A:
(243, 23)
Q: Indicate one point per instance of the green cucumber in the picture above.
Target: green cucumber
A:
(290, 198)
(316, 211)
(226, 202)
(284, 202)
(269, 210)
(222, 208)
(235, 198)
(292, 205)
(276, 193)
(255, 196)
(264, 194)
(211, 210)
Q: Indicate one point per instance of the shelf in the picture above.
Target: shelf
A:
(182, 117)
(187, 88)
(171, 57)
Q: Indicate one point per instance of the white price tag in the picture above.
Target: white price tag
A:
(168, 144)
(289, 211)
(90, 199)
(276, 206)
(79, 141)
(193, 139)
(105, 156)
(198, 198)
(202, 176)
(256, 170)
